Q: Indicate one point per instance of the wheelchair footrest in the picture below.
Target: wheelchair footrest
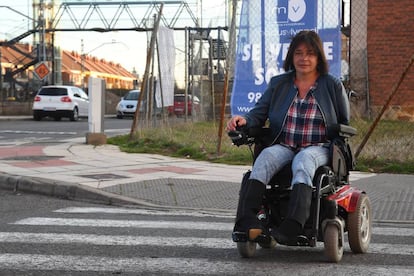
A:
(239, 236)
(243, 237)
(300, 240)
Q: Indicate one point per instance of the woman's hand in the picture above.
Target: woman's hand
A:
(235, 122)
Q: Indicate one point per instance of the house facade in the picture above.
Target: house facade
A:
(19, 79)
(77, 68)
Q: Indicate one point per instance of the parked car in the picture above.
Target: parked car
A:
(128, 104)
(59, 101)
(179, 105)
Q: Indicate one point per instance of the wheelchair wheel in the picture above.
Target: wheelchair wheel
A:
(333, 247)
(360, 225)
(246, 249)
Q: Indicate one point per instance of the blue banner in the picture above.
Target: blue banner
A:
(266, 29)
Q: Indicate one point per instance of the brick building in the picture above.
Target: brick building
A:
(76, 70)
(390, 40)
(381, 48)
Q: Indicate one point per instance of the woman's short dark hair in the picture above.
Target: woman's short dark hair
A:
(312, 40)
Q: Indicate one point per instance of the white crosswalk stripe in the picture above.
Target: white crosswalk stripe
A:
(193, 225)
(216, 243)
(108, 210)
(71, 221)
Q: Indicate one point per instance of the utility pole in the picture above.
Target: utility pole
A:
(42, 25)
(229, 66)
(82, 64)
(146, 73)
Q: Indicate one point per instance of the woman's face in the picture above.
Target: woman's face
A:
(305, 59)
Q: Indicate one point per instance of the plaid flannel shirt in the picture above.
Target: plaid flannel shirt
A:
(304, 125)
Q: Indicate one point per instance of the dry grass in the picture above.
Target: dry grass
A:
(389, 148)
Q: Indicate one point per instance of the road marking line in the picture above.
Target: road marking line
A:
(166, 224)
(193, 225)
(161, 241)
(94, 210)
(38, 132)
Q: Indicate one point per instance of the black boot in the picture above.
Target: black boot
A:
(250, 202)
(298, 212)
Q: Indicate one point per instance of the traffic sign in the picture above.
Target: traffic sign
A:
(41, 70)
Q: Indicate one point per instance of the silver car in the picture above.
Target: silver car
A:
(128, 104)
(59, 101)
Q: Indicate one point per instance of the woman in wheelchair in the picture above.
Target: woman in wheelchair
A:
(301, 106)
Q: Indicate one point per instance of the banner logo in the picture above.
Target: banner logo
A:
(292, 11)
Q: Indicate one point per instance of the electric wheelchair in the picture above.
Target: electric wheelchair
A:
(337, 207)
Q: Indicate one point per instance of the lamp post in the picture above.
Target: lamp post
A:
(90, 51)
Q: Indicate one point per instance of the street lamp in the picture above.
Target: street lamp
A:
(113, 41)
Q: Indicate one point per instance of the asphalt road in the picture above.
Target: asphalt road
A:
(47, 130)
(48, 236)
(26, 130)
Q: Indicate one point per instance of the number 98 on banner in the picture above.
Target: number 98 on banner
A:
(254, 96)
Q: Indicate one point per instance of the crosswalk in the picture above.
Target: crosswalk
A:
(108, 241)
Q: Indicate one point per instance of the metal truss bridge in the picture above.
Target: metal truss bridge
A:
(121, 15)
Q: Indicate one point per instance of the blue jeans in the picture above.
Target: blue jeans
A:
(304, 163)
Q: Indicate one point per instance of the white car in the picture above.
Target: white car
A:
(59, 101)
(128, 104)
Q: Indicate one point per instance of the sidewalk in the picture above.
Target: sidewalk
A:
(104, 174)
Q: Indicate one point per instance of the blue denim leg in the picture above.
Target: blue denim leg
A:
(271, 160)
(305, 163)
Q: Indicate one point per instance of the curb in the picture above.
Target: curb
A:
(78, 192)
(64, 190)
(14, 117)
